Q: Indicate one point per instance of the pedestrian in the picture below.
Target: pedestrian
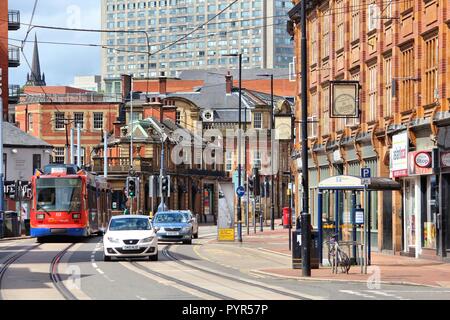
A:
(126, 211)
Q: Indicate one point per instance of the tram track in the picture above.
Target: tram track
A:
(8, 262)
(288, 293)
(56, 277)
(53, 270)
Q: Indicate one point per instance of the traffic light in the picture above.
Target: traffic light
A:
(165, 186)
(251, 185)
(256, 180)
(131, 187)
(266, 187)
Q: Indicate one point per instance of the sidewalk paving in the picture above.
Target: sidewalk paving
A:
(393, 269)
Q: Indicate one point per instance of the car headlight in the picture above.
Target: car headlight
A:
(113, 240)
(149, 239)
(187, 229)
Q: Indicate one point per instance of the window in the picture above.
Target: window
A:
(355, 20)
(326, 34)
(177, 117)
(431, 70)
(228, 161)
(325, 111)
(353, 121)
(30, 122)
(36, 162)
(98, 120)
(314, 41)
(340, 14)
(82, 155)
(407, 84)
(372, 112)
(406, 4)
(257, 123)
(79, 119)
(388, 86)
(59, 120)
(312, 116)
(59, 155)
(257, 159)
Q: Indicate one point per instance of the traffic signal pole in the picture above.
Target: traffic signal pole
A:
(306, 217)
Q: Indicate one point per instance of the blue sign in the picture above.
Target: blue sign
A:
(240, 191)
(365, 172)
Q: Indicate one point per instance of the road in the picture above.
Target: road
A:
(201, 271)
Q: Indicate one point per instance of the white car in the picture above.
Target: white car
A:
(130, 236)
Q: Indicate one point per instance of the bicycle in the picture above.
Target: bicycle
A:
(336, 257)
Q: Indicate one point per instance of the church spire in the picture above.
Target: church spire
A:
(35, 78)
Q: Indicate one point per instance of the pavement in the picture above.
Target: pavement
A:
(385, 269)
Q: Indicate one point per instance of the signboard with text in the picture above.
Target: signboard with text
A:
(420, 162)
(399, 155)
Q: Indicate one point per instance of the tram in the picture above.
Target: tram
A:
(68, 201)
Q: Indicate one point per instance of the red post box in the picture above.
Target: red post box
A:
(286, 214)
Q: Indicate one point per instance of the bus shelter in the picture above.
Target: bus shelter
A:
(353, 184)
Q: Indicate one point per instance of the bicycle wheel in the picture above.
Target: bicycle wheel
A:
(345, 262)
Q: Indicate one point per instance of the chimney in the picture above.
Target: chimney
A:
(117, 125)
(229, 83)
(126, 86)
(162, 84)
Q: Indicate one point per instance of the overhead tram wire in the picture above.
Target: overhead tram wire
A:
(29, 27)
(144, 52)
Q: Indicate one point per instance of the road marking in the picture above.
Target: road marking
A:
(385, 294)
(252, 282)
(356, 293)
(168, 282)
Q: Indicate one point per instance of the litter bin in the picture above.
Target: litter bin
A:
(26, 223)
(297, 249)
(10, 224)
(286, 211)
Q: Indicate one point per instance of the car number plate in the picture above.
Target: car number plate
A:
(130, 247)
(172, 233)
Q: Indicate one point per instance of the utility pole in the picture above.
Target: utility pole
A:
(78, 145)
(306, 217)
(272, 127)
(72, 155)
(131, 124)
(105, 154)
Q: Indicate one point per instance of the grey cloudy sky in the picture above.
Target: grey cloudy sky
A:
(60, 63)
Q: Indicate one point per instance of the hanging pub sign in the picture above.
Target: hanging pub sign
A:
(344, 99)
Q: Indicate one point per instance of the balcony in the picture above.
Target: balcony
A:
(14, 93)
(13, 20)
(122, 165)
(13, 57)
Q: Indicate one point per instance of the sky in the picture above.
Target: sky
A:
(60, 63)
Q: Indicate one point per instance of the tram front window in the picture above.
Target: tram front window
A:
(61, 194)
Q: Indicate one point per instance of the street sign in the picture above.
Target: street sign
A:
(365, 181)
(359, 216)
(365, 173)
(240, 191)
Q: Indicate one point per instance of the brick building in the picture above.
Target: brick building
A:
(50, 113)
(398, 51)
(9, 55)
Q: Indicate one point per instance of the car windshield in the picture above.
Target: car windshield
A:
(187, 215)
(58, 194)
(127, 224)
(172, 217)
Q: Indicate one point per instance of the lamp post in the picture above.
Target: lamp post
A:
(272, 211)
(306, 217)
(239, 210)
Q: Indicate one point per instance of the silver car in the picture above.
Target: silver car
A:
(192, 219)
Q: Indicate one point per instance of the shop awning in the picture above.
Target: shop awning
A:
(344, 182)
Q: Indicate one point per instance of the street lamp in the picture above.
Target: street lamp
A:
(239, 210)
(272, 213)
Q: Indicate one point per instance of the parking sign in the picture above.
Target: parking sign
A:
(365, 173)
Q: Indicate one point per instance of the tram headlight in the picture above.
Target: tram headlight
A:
(40, 216)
